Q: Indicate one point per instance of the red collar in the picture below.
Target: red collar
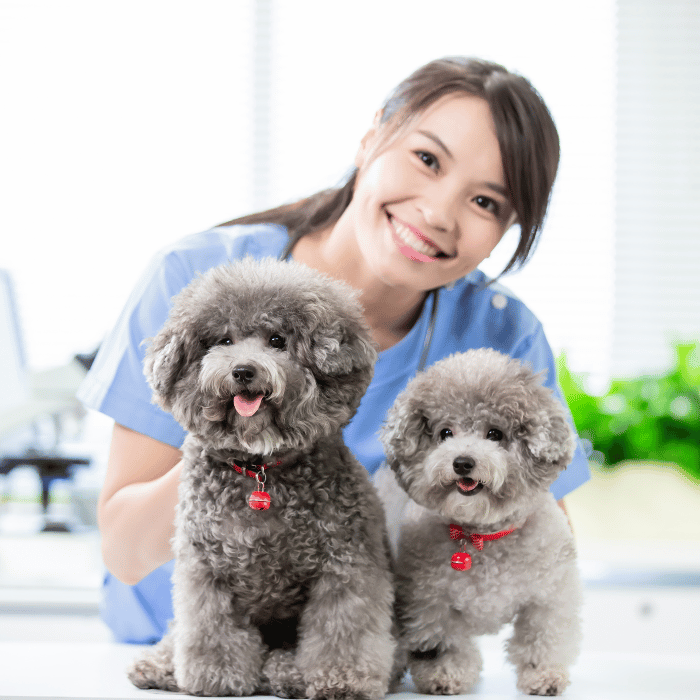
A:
(461, 561)
(251, 470)
(457, 533)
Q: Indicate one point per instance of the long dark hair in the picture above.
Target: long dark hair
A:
(526, 133)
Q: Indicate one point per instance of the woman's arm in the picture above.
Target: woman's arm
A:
(136, 508)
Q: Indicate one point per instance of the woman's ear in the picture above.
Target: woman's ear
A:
(368, 142)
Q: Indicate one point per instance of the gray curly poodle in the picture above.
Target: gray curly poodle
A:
(476, 441)
(282, 582)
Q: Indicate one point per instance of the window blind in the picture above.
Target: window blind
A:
(657, 248)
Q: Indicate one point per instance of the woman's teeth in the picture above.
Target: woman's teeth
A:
(410, 239)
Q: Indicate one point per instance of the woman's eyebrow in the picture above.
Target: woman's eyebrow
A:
(497, 188)
(437, 140)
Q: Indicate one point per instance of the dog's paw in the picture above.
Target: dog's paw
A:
(440, 684)
(542, 680)
(348, 685)
(215, 677)
(281, 676)
(153, 672)
(448, 674)
(339, 694)
(215, 684)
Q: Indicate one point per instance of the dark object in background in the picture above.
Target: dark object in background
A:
(87, 359)
(49, 468)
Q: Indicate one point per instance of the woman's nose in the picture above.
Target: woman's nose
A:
(438, 207)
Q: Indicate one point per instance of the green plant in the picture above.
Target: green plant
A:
(655, 417)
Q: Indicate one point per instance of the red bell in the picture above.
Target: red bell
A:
(259, 500)
(461, 561)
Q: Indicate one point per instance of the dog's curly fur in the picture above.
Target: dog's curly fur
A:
(295, 600)
(476, 440)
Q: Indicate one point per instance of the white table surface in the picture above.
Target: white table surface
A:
(97, 670)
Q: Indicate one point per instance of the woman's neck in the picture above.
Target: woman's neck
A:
(389, 311)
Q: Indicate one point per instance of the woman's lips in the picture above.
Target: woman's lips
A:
(413, 244)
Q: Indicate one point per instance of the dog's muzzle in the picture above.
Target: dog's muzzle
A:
(463, 466)
(248, 401)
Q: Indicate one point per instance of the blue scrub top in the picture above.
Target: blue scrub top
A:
(469, 315)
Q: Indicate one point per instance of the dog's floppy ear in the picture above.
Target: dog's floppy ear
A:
(164, 363)
(341, 343)
(404, 432)
(344, 352)
(548, 436)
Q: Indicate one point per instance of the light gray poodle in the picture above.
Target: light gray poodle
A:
(476, 441)
(282, 580)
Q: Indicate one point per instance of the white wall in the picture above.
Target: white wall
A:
(13, 377)
(657, 253)
(125, 125)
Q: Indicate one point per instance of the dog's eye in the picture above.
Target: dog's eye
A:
(494, 434)
(224, 341)
(278, 342)
(445, 433)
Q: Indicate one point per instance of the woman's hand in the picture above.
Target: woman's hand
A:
(136, 508)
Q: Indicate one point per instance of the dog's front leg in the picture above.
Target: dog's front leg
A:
(443, 656)
(438, 636)
(446, 670)
(544, 644)
(154, 667)
(346, 648)
(281, 675)
(214, 652)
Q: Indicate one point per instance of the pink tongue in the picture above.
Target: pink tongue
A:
(467, 484)
(247, 407)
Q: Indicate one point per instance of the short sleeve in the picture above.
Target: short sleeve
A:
(116, 385)
(536, 351)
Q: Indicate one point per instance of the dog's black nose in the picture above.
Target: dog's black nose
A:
(463, 465)
(244, 373)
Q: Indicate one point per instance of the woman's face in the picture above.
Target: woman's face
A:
(432, 205)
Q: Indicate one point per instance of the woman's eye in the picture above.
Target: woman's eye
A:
(489, 204)
(427, 159)
(494, 434)
(445, 433)
(277, 341)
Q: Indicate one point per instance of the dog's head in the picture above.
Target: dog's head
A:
(262, 356)
(475, 436)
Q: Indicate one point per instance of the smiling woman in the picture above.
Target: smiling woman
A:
(439, 209)
(505, 161)
(519, 120)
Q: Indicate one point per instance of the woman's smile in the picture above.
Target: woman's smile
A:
(412, 243)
